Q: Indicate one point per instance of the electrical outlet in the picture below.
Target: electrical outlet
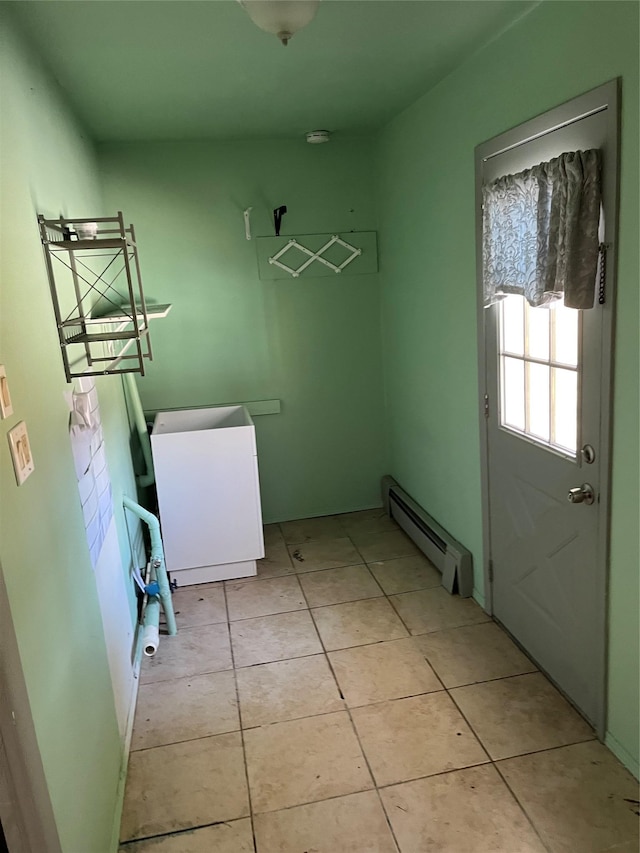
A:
(23, 463)
(6, 407)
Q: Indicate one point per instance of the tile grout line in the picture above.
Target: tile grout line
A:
(175, 833)
(242, 740)
(279, 660)
(438, 630)
(520, 754)
(343, 649)
(256, 581)
(185, 740)
(265, 615)
(411, 635)
(441, 689)
(345, 708)
(375, 579)
(397, 613)
(339, 568)
(493, 764)
(340, 796)
(490, 761)
(499, 761)
(521, 805)
(328, 661)
(190, 740)
(370, 790)
(448, 690)
(363, 562)
(347, 535)
(359, 552)
(327, 568)
(355, 731)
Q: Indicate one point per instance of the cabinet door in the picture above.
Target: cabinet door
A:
(209, 497)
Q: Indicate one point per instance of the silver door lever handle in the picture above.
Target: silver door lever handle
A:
(582, 494)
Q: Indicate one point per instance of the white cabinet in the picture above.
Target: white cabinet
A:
(206, 470)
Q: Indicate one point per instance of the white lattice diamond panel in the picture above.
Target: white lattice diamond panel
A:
(276, 259)
(310, 256)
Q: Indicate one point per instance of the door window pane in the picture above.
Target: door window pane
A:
(513, 392)
(538, 400)
(513, 324)
(539, 371)
(538, 332)
(565, 426)
(565, 336)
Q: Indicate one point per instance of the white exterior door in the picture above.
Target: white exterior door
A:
(545, 384)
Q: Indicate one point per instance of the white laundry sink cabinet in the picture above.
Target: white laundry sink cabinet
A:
(206, 469)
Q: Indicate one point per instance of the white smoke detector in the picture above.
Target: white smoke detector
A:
(315, 137)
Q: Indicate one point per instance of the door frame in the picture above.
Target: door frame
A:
(604, 98)
(25, 805)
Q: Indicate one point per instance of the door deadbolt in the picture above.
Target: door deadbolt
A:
(588, 454)
(582, 494)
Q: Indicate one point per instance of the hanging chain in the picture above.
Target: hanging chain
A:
(603, 273)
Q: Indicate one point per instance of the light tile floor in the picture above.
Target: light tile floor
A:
(343, 702)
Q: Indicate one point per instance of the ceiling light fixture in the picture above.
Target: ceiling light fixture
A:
(283, 18)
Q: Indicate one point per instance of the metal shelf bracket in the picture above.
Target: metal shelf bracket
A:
(96, 289)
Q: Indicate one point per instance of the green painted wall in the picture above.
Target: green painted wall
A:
(313, 343)
(48, 166)
(426, 204)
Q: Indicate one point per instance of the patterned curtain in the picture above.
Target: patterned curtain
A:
(540, 232)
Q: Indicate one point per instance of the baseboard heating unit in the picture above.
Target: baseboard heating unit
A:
(452, 559)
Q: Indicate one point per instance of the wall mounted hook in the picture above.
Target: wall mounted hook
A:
(247, 223)
(278, 213)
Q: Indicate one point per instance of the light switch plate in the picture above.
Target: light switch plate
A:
(6, 408)
(23, 464)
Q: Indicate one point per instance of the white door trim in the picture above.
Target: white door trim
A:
(604, 98)
(25, 805)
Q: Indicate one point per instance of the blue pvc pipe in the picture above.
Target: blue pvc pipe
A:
(157, 566)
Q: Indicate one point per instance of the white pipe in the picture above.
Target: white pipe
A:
(158, 573)
(148, 478)
(151, 634)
